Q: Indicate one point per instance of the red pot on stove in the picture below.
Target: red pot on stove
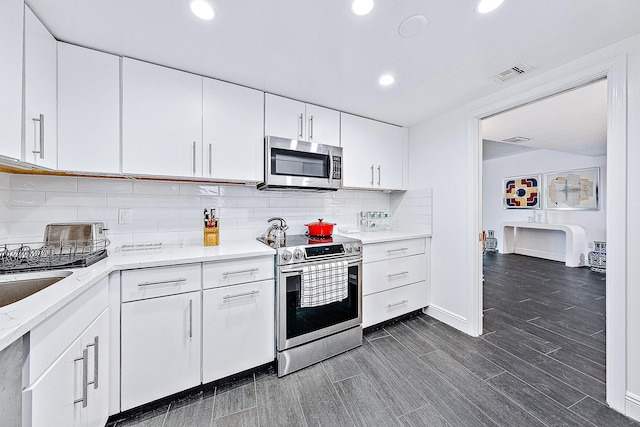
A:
(320, 228)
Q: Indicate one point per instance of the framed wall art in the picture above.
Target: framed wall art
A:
(522, 192)
(573, 189)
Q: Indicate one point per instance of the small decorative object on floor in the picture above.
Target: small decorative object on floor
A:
(491, 243)
(598, 257)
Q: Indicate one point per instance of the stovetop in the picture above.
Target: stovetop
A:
(300, 248)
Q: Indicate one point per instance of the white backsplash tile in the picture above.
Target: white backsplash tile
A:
(156, 187)
(43, 183)
(102, 185)
(75, 199)
(173, 212)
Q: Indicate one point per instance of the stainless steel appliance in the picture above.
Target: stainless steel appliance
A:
(291, 164)
(309, 334)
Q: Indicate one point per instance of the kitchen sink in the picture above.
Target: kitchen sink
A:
(22, 286)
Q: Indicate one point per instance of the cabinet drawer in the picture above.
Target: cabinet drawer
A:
(225, 273)
(50, 339)
(390, 250)
(160, 281)
(386, 305)
(382, 275)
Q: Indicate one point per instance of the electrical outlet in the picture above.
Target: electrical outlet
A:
(124, 216)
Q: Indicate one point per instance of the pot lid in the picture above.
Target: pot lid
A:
(320, 223)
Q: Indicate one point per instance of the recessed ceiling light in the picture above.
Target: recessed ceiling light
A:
(361, 7)
(202, 9)
(386, 80)
(486, 6)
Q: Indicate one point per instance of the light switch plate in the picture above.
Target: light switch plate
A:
(124, 216)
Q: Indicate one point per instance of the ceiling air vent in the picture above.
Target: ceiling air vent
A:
(512, 72)
(516, 139)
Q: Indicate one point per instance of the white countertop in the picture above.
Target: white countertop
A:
(384, 236)
(20, 317)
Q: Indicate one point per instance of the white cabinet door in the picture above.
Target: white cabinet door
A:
(238, 329)
(74, 390)
(373, 153)
(323, 125)
(284, 117)
(160, 345)
(88, 110)
(233, 131)
(161, 120)
(11, 12)
(288, 118)
(39, 93)
(96, 341)
(51, 400)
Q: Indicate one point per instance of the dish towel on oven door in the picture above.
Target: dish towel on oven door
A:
(324, 283)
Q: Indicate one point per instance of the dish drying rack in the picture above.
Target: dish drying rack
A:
(39, 256)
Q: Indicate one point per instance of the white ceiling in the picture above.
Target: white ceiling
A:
(574, 121)
(319, 52)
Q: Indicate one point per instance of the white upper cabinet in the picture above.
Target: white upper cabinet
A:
(11, 78)
(88, 110)
(39, 93)
(374, 153)
(288, 118)
(233, 124)
(161, 120)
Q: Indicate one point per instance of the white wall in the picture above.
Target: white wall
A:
(540, 162)
(441, 158)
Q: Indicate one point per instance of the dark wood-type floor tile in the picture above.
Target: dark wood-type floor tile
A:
(541, 362)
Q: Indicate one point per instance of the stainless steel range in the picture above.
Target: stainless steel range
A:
(318, 299)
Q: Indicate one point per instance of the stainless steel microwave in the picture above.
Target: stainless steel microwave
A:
(291, 164)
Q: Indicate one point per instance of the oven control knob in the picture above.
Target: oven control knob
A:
(349, 249)
(286, 256)
(358, 247)
(298, 255)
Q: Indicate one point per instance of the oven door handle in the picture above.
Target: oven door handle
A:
(300, 271)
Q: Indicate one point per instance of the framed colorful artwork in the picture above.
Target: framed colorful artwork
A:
(522, 192)
(573, 189)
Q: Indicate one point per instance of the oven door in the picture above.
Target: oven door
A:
(301, 164)
(297, 325)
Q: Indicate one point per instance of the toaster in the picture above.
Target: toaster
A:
(92, 232)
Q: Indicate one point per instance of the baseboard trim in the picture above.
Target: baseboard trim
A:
(448, 317)
(632, 406)
(540, 254)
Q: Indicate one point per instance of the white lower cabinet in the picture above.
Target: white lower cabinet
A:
(238, 328)
(160, 344)
(395, 279)
(74, 390)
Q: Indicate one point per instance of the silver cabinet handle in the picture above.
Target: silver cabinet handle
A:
(210, 157)
(85, 368)
(41, 151)
(310, 128)
(163, 282)
(301, 123)
(248, 271)
(402, 273)
(372, 175)
(96, 358)
(245, 294)
(404, 301)
(378, 175)
(190, 318)
(397, 250)
(194, 157)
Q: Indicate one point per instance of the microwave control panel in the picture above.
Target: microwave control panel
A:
(337, 167)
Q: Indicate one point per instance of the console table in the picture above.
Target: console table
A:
(575, 240)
